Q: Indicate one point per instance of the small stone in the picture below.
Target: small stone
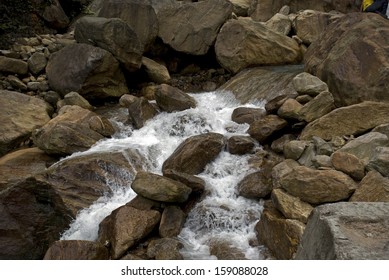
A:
(294, 149)
(348, 164)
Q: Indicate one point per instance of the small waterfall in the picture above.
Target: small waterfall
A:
(222, 214)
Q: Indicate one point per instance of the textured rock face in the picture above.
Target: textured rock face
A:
(243, 42)
(349, 164)
(247, 115)
(92, 72)
(75, 129)
(138, 14)
(351, 120)
(20, 115)
(165, 249)
(125, 227)
(191, 28)
(373, 188)
(172, 99)
(264, 128)
(156, 72)
(352, 58)
(160, 188)
(172, 221)
(76, 250)
(255, 185)
(26, 211)
(192, 155)
(380, 161)
(140, 111)
(346, 231)
(113, 35)
(321, 105)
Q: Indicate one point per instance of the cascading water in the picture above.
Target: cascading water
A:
(222, 215)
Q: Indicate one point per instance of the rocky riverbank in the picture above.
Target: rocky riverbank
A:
(322, 173)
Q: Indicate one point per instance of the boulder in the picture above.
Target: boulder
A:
(247, 115)
(13, 65)
(32, 217)
(263, 83)
(156, 72)
(113, 35)
(191, 28)
(290, 109)
(264, 128)
(74, 129)
(160, 188)
(138, 14)
(172, 221)
(351, 120)
(291, 207)
(19, 165)
(37, 63)
(349, 164)
(380, 161)
(20, 115)
(73, 98)
(55, 16)
(195, 183)
(126, 227)
(305, 83)
(255, 185)
(318, 186)
(142, 203)
(140, 111)
(172, 99)
(364, 147)
(192, 155)
(280, 23)
(240, 7)
(319, 106)
(373, 188)
(81, 180)
(165, 249)
(225, 250)
(127, 99)
(352, 58)
(243, 42)
(76, 250)
(240, 145)
(280, 170)
(92, 72)
(294, 149)
(280, 235)
(346, 231)
(310, 24)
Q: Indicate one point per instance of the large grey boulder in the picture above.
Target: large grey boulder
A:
(346, 231)
(113, 35)
(243, 42)
(192, 155)
(74, 130)
(339, 58)
(20, 115)
(92, 72)
(192, 27)
(138, 14)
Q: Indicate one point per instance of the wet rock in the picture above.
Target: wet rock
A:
(349, 164)
(319, 106)
(92, 72)
(380, 161)
(21, 164)
(346, 231)
(291, 207)
(282, 236)
(290, 109)
(255, 185)
(192, 155)
(247, 115)
(264, 128)
(172, 99)
(305, 83)
(179, 25)
(156, 72)
(160, 188)
(13, 66)
(27, 209)
(165, 249)
(172, 221)
(339, 59)
(113, 35)
(126, 227)
(253, 44)
(20, 115)
(74, 129)
(373, 188)
(225, 250)
(139, 15)
(195, 183)
(76, 250)
(142, 203)
(318, 186)
(140, 111)
(350, 120)
(240, 145)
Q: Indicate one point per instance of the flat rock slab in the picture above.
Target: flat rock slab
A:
(347, 231)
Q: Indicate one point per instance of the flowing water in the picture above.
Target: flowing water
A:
(222, 215)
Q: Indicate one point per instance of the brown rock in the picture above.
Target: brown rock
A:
(76, 250)
(264, 128)
(140, 111)
(321, 105)
(349, 164)
(172, 99)
(255, 185)
(195, 183)
(279, 144)
(224, 250)
(13, 66)
(240, 145)
(282, 169)
(156, 72)
(172, 221)
(125, 227)
(373, 188)
(290, 109)
(165, 249)
(247, 115)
